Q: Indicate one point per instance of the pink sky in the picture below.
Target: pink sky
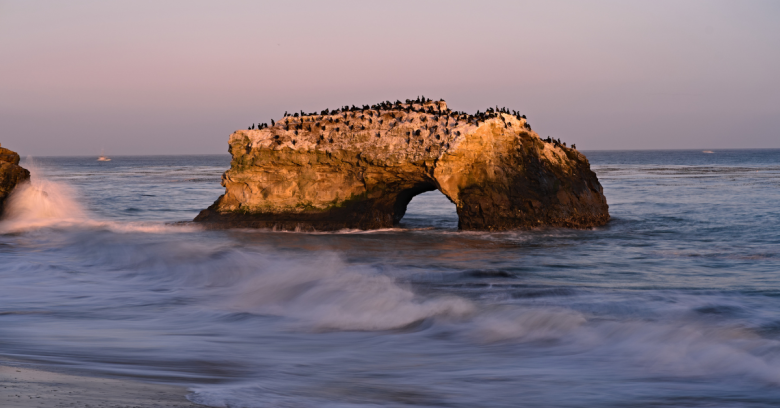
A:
(177, 77)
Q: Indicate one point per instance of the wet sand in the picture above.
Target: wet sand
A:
(28, 388)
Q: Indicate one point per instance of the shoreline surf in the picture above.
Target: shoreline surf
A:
(24, 387)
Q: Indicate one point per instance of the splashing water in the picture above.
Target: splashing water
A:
(328, 294)
(41, 203)
(44, 203)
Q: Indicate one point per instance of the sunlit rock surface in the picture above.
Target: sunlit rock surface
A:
(11, 174)
(360, 168)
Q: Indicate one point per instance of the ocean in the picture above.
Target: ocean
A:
(674, 303)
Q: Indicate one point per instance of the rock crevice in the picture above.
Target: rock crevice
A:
(360, 167)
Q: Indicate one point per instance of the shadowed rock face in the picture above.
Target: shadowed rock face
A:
(360, 169)
(11, 174)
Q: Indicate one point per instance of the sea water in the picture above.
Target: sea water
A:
(676, 302)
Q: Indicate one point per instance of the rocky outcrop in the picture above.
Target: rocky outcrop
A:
(11, 174)
(360, 167)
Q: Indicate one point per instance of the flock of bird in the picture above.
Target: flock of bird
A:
(423, 105)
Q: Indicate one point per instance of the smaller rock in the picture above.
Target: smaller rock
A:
(11, 174)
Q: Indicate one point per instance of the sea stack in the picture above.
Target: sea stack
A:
(358, 168)
(11, 174)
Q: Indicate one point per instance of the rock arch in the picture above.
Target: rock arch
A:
(309, 173)
(405, 197)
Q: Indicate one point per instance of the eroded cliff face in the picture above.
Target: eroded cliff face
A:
(11, 174)
(359, 169)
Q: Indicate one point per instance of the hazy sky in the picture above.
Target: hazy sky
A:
(177, 77)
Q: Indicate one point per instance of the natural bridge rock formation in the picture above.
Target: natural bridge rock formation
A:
(10, 174)
(360, 167)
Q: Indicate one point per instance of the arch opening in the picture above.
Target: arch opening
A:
(426, 206)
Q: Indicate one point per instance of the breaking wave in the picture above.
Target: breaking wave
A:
(42, 203)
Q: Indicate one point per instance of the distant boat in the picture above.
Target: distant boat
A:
(707, 151)
(103, 157)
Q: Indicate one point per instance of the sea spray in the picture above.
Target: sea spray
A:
(46, 203)
(41, 203)
(326, 293)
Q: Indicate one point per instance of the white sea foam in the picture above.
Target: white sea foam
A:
(326, 294)
(512, 323)
(43, 203)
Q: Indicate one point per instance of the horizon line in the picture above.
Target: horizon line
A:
(584, 150)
